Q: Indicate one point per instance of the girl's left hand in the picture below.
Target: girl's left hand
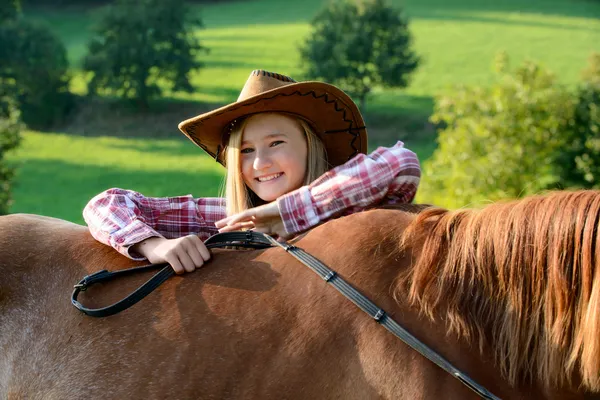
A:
(265, 219)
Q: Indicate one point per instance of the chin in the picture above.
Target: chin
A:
(269, 198)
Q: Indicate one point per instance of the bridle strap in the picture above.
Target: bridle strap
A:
(379, 315)
(256, 240)
(246, 239)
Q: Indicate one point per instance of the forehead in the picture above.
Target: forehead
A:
(260, 126)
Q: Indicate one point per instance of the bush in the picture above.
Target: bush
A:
(9, 139)
(579, 164)
(498, 142)
(359, 46)
(33, 69)
(142, 47)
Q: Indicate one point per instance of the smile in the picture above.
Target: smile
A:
(267, 178)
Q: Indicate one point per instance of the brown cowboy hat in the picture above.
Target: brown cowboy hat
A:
(330, 112)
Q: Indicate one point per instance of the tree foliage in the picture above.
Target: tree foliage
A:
(142, 47)
(579, 163)
(498, 142)
(360, 46)
(33, 69)
(10, 138)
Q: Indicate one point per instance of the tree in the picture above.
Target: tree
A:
(33, 68)
(143, 46)
(359, 46)
(9, 121)
(10, 138)
(579, 163)
(498, 142)
(9, 9)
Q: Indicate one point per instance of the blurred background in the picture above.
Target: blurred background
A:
(500, 99)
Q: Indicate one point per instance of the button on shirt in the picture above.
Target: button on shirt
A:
(121, 218)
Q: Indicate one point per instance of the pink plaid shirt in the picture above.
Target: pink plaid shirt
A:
(121, 218)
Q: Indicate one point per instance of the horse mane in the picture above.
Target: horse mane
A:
(518, 277)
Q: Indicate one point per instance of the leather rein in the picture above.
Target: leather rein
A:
(256, 240)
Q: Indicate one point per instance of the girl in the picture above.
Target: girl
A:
(295, 154)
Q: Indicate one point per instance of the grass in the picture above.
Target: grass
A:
(63, 181)
(107, 146)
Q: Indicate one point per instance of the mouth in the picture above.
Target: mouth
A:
(268, 178)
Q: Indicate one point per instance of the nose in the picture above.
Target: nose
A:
(262, 161)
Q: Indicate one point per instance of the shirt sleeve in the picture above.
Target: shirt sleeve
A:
(388, 175)
(121, 218)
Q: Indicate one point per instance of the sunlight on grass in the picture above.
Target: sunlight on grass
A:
(57, 174)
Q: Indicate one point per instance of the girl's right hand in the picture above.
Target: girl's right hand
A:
(185, 254)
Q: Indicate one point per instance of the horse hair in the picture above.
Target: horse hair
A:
(518, 276)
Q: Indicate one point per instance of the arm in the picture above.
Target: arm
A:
(122, 218)
(388, 175)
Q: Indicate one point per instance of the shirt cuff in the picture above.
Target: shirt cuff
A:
(132, 234)
(297, 211)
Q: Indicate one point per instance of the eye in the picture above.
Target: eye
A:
(247, 150)
(277, 142)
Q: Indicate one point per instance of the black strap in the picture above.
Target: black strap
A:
(247, 239)
(379, 315)
(251, 239)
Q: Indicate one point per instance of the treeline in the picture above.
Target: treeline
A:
(59, 3)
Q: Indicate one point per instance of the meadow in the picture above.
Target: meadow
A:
(108, 145)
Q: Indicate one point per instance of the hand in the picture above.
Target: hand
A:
(265, 219)
(184, 254)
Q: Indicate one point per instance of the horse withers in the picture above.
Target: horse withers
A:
(508, 294)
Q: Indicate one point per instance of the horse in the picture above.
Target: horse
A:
(508, 293)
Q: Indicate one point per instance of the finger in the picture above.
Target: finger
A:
(222, 222)
(200, 247)
(262, 229)
(244, 216)
(186, 261)
(237, 227)
(176, 265)
(194, 254)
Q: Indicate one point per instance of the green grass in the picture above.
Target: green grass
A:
(457, 40)
(58, 173)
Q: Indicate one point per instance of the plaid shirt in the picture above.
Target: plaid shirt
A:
(121, 218)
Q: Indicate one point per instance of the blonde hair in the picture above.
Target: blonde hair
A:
(237, 195)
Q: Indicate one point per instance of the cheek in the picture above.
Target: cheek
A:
(298, 163)
(246, 167)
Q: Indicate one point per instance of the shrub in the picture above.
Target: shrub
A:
(500, 141)
(33, 69)
(9, 139)
(579, 163)
(359, 46)
(142, 47)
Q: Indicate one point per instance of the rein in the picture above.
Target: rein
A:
(256, 240)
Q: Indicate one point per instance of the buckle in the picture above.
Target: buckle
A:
(90, 279)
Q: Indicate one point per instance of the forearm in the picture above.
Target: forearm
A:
(360, 183)
(146, 247)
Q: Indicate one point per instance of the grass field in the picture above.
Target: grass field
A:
(457, 39)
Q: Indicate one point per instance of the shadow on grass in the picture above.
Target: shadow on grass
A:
(459, 9)
(276, 12)
(399, 117)
(104, 116)
(62, 190)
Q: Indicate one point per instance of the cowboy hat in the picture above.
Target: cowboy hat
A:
(329, 111)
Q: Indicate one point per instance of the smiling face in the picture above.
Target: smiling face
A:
(273, 155)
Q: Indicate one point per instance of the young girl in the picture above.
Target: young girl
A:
(295, 155)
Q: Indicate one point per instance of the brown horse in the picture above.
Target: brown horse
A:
(509, 294)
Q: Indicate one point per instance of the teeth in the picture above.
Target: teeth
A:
(269, 177)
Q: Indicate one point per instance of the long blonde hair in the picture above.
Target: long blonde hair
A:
(237, 195)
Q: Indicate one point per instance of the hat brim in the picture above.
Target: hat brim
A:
(331, 112)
